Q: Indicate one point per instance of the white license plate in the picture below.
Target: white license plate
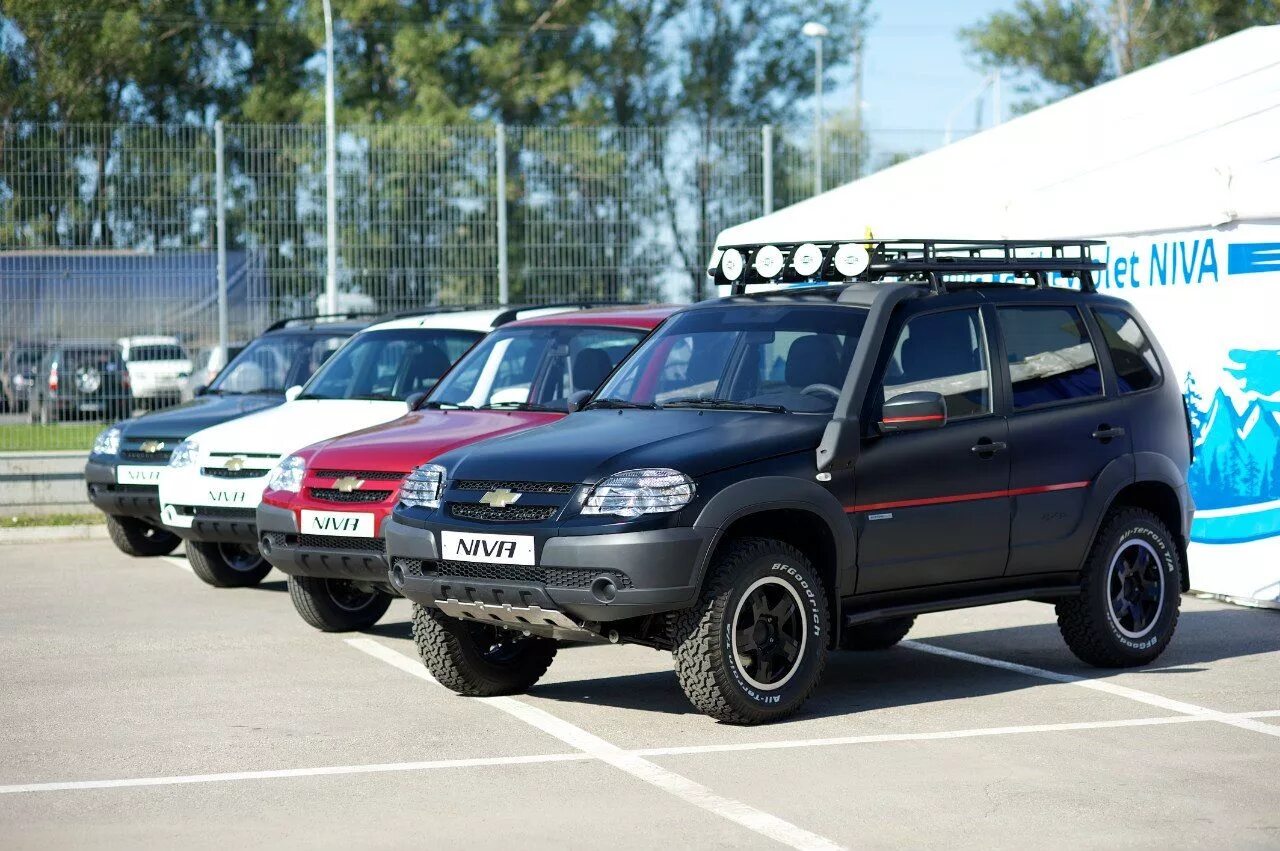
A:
(498, 549)
(136, 475)
(348, 524)
(91, 406)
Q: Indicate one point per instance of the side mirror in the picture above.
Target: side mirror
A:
(414, 400)
(293, 393)
(915, 411)
(577, 400)
(201, 390)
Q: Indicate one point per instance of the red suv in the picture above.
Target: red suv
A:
(320, 519)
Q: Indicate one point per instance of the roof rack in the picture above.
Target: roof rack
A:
(926, 260)
(513, 313)
(312, 317)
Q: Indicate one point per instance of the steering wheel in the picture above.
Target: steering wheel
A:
(823, 388)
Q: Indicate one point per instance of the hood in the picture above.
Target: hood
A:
(590, 445)
(183, 420)
(279, 430)
(418, 437)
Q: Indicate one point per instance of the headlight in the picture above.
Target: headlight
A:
(636, 492)
(107, 443)
(287, 475)
(184, 454)
(424, 486)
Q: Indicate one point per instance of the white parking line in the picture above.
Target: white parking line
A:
(682, 787)
(1126, 692)
(177, 562)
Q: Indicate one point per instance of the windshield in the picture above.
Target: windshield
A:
(276, 362)
(772, 357)
(157, 351)
(389, 365)
(534, 368)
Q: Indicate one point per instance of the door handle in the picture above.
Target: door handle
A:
(986, 448)
(1106, 432)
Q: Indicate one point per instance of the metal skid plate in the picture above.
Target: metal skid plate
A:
(535, 619)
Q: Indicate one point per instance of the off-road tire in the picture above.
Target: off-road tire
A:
(136, 537)
(208, 563)
(313, 597)
(711, 677)
(1085, 620)
(449, 648)
(877, 635)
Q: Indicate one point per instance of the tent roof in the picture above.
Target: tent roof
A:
(1190, 142)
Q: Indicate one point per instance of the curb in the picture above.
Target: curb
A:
(46, 534)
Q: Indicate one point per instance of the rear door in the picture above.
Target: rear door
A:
(1064, 432)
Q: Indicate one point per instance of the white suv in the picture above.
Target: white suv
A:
(215, 478)
(157, 366)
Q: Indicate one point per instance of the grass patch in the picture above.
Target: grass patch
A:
(23, 521)
(24, 437)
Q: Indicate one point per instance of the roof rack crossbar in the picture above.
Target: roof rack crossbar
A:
(310, 317)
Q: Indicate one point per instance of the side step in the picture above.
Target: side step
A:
(1045, 594)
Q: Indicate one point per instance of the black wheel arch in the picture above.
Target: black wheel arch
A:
(1159, 487)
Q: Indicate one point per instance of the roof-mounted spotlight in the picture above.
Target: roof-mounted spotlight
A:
(768, 262)
(732, 265)
(851, 259)
(806, 261)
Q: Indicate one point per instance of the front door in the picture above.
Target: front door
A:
(932, 506)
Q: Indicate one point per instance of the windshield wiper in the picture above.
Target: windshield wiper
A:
(724, 405)
(520, 406)
(452, 406)
(611, 404)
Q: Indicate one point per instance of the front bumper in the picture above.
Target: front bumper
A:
(121, 499)
(650, 572)
(197, 507)
(359, 559)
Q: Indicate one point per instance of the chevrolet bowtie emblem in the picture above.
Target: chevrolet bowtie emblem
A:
(347, 484)
(500, 498)
(152, 445)
(235, 462)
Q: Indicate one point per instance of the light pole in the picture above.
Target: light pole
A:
(330, 170)
(817, 32)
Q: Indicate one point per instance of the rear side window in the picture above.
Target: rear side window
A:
(1137, 366)
(1050, 356)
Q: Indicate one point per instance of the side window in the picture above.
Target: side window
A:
(1050, 356)
(1137, 366)
(945, 353)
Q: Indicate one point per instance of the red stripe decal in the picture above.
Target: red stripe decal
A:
(965, 497)
(920, 419)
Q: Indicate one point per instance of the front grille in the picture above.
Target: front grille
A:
(224, 473)
(125, 488)
(339, 542)
(510, 514)
(518, 487)
(161, 457)
(556, 577)
(335, 495)
(367, 475)
(212, 512)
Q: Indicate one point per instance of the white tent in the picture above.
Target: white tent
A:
(1177, 166)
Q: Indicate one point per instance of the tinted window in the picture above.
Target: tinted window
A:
(156, 352)
(945, 353)
(389, 365)
(276, 362)
(1137, 366)
(1050, 356)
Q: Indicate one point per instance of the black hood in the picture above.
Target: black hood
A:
(186, 419)
(587, 446)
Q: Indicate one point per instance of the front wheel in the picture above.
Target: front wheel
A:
(227, 565)
(1127, 608)
(476, 659)
(753, 648)
(139, 538)
(337, 605)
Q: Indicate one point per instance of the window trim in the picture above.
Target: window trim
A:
(1103, 372)
(1114, 374)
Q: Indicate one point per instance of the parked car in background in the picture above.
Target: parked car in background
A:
(123, 471)
(84, 380)
(158, 368)
(208, 363)
(18, 367)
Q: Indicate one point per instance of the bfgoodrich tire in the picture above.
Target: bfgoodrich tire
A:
(878, 635)
(139, 538)
(227, 565)
(479, 660)
(1127, 609)
(337, 605)
(753, 648)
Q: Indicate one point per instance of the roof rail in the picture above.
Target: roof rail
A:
(926, 260)
(311, 317)
(513, 313)
(431, 310)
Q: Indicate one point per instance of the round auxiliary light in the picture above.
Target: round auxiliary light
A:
(807, 260)
(769, 261)
(731, 264)
(851, 260)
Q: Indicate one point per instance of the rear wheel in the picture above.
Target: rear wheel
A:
(227, 565)
(878, 635)
(337, 605)
(139, 538)
(479, 660)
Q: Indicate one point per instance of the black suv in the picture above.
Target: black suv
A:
(82, 381)
(771, 476)
(123, 470)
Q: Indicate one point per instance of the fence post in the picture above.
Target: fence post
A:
(220, 200)
(766, 155)
(500, 145)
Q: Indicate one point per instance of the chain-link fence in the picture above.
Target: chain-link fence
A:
(111, 232)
